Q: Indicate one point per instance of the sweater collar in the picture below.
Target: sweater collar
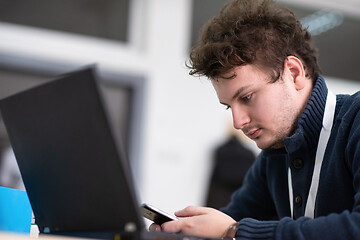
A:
(310, 122)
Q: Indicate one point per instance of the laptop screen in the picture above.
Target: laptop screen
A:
(76, 177)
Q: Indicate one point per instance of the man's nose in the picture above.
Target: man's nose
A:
(240, 118)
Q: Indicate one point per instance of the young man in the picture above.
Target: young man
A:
(305, 184)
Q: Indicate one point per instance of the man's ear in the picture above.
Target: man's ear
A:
(295, 68)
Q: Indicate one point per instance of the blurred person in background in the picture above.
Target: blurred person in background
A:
(232, 159)
(305, 184)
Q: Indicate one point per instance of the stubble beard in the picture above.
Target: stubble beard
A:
(282, 133)
(289, 115)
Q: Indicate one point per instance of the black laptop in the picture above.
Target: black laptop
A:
(78, 180)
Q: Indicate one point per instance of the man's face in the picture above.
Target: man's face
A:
(266, 112)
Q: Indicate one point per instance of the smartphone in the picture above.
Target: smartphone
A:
(156, 215)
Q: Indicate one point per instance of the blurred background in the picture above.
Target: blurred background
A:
(171, 123)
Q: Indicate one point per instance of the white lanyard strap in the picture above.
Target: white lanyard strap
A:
(328, 119)
(291, 194)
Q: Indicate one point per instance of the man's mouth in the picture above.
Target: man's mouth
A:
(252, 134)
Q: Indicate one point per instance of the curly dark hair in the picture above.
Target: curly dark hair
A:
(252, 32)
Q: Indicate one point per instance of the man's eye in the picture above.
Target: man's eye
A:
(227, 107)
(246, 98)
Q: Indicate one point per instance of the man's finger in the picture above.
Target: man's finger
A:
(172, 226)
(192, 211)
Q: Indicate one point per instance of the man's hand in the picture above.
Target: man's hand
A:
(197, 221)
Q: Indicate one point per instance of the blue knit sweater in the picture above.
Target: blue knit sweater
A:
(262, 205)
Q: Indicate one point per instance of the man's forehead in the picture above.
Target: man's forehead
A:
(241, 79)
(231, 74)
(244, 71)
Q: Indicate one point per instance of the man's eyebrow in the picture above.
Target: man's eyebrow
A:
(238, 92)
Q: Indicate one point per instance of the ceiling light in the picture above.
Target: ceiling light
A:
(322, 21)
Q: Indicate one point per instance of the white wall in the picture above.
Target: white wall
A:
(340, 86)
(184, 119)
